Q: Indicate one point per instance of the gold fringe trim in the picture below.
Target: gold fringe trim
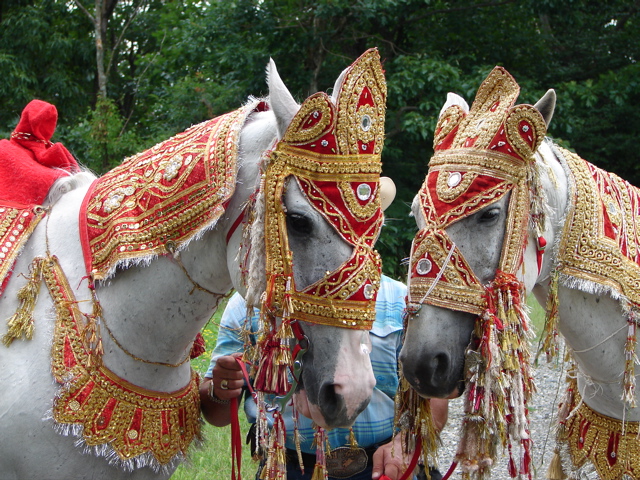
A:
(21, 323)
(413, 418)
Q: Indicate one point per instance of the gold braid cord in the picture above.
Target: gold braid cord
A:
(125, 423)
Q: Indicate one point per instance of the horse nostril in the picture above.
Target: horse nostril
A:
(439, 364)
(329, 397)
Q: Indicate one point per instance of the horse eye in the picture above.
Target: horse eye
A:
(489, 215)
(298, 223)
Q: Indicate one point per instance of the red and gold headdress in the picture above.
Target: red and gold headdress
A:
(333, 153)
(480, 157)
(332, 149)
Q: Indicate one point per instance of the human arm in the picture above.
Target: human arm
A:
(215, 400)
(388, 459)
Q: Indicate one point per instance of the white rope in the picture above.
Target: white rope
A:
(437, 279)
(600, 343)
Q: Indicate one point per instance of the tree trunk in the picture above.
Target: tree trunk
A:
(99, 22)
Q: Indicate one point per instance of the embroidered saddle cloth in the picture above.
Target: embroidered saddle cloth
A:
(158, 200)
(599, 248)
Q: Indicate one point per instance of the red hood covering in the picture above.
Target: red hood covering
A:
(29, 162)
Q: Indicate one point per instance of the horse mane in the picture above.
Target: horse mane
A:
(67, 184)
(253, 240)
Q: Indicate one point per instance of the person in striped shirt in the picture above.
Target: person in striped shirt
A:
(373, 428)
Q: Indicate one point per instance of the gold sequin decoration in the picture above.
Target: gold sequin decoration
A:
(16, 225)
(585, 251)
(361, 211)
(170, 192)
(316, 110)
(447, 122)
(367, 72)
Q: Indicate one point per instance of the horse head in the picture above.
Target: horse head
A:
(474, 215)
(482, 229)
(317, 215)
(136, 262)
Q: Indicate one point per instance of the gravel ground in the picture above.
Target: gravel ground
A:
(550, 384)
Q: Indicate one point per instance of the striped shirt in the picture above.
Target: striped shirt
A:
(375, 423)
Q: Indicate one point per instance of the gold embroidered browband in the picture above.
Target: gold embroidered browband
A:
(158, 200)
(479, 158)
(333, 152)
(132, 421)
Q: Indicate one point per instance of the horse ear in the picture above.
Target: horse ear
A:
(454, 99)
(337, 86)
(281, 101)
(546, 105)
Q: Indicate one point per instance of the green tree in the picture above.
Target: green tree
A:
(174, 63)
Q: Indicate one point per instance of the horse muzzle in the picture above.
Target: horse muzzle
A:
(432, 374)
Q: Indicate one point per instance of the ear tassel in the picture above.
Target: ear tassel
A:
(21, 323)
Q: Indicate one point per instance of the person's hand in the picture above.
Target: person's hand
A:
(388, 461)
(227, 377)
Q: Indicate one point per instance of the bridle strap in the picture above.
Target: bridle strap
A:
(414, 461)
(408, 473)
(235, 226)
(236, 438)
(236, 441)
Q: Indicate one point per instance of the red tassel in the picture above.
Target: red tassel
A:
(199, 346)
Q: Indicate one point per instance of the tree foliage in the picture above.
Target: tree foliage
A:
(173, 63)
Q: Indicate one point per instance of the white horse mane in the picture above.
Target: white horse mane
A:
(67, 184)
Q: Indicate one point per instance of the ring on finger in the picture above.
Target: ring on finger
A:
(224, 384)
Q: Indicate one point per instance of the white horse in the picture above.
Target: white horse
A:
(596, 310)
(152, 313)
